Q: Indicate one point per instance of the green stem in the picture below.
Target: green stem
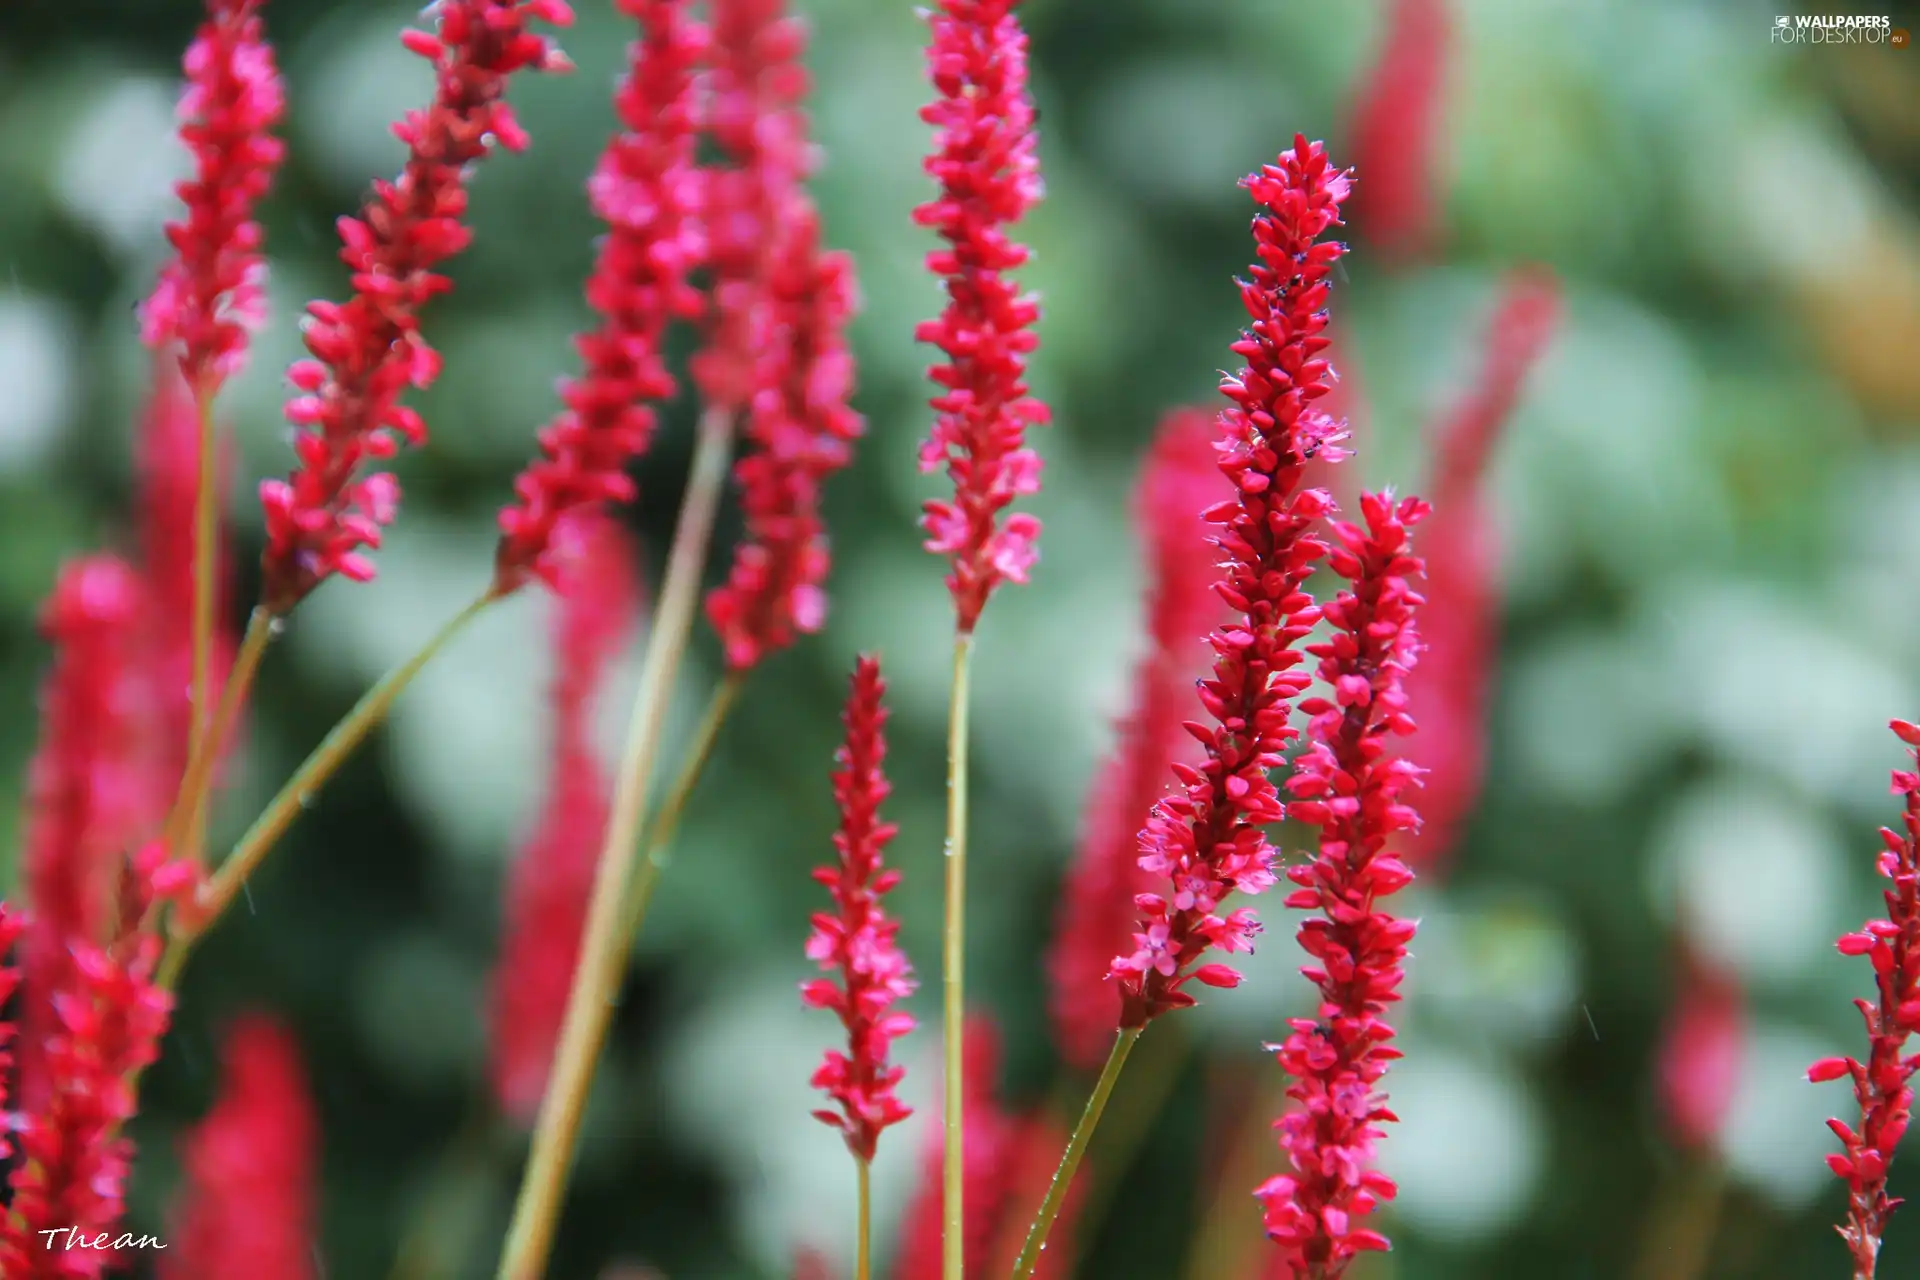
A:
(186, 825)
(206, 532)
(1156, 1071)
(1070, 1158)
(660, 832)
(219, 892)
(863, 1246)
(954, 1213)
(604, 947)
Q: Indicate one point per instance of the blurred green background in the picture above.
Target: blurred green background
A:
(1710, 499)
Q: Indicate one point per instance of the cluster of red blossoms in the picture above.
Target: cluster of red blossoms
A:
(737, 246)
(646, 188)
(249, 1209)
(108, 1013)
(211, 295)
(856, 939)
(1349, 786)
(1209, 841)
(1882, 1084)
(368, 350)
(989, 176)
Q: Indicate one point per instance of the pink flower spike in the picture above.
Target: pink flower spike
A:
(754, 91)
(1397, 128)
(368, 350)
(1336, 1061)
(88, 789)
(248, 1211)
(799, 430)
(109, 1016)
(646, 189)
(1700, 1054)
(856, 940)
(596, 608)
(989, 176)
(1881, 1084)
(1179, 481)
(12, 925)
(210, 296)
(1208, 839)
(1450, 692)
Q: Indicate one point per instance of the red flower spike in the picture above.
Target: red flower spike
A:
(368, 350)
(754, 90)
(1096, 914)
(1010, 1159)
(1450, 691)
(12, 925)
(799, 431)
(857, 939)
(1881, 1084)
(211, 295)
(88, 790)
(1348, 785)
(989, 176)
(647, 190)
(73, 1158)
(248, 1210)
(1396, 128)
(551, 883)
(1700, 1054)
(1208, 840)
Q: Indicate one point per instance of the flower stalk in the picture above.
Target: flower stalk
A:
(1076, 1148)
(219, 891)
(954, 966)
(186, 824)
(863, 1242)
(605, 945)
(206, 554)
(660, 832)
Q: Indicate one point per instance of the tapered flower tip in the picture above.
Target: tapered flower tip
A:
(1304, 160)
(1906, 731)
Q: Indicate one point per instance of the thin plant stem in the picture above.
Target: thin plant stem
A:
(206, 512)
(186, 825)
(606, 942)
(1156, 1070)
(863, 1245)
(953, 1186)
(218, 893)
(660, 832)
(1070, 1158)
